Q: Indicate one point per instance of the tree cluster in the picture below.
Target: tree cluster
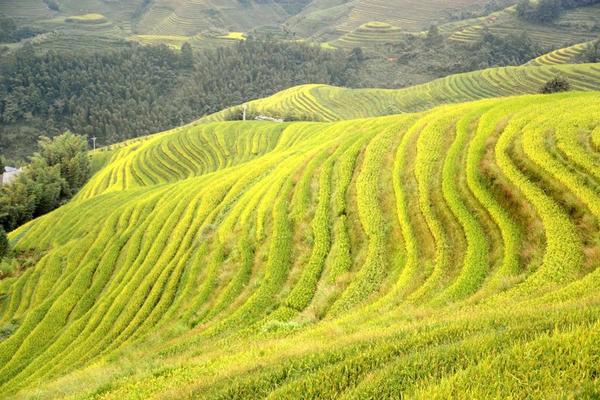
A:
(556, 85)
(52, 177)
(10, 32)
(592, 53)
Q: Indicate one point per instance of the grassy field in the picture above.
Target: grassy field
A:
(327, 103)
(451, 253)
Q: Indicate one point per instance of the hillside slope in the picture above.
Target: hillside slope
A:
(448, 254)
(566, 55)
(572, 26)
(328, 103)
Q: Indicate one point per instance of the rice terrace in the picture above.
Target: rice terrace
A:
(209, 200)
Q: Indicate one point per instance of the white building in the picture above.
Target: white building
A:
(9, 175)
(266, 118)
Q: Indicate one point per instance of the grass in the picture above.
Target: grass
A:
(369, 258)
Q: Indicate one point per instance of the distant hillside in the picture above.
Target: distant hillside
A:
(327, 103)
(189, 17)
(340, 17)
(320, 19)
(447, 254)
(573, 26)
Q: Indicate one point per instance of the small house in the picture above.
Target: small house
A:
(9, 174)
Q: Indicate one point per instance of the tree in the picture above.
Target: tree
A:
(433, 36)
(592, 53)
(187, 56)
(17, 202)
(357, 55)
(68, 153)
(4, 244)
(546, 11)
(54, 175)
(555, 85)
(53, 5)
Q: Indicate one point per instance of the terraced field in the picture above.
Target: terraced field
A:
(173, 41)
(92, 19)
(369, 35)
(25, 9)
(409, 15)
(189, 17)
(566, 55)
(327, 103)
(573, 26)
(446, 254)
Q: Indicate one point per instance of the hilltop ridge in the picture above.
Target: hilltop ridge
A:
(315, 102)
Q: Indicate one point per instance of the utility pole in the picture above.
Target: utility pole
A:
(94, 142)
(244, 107)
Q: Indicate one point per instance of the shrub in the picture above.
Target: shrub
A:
(556, 85)
(53, 5)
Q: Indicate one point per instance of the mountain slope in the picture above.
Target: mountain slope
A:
(444, 254)
(327, 103)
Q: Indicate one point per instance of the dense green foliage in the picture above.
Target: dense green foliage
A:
(53, 176)
(592, 53)
(448, 254)
(446, 57)
(4, 244)
(10, 32)
(117, 95)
